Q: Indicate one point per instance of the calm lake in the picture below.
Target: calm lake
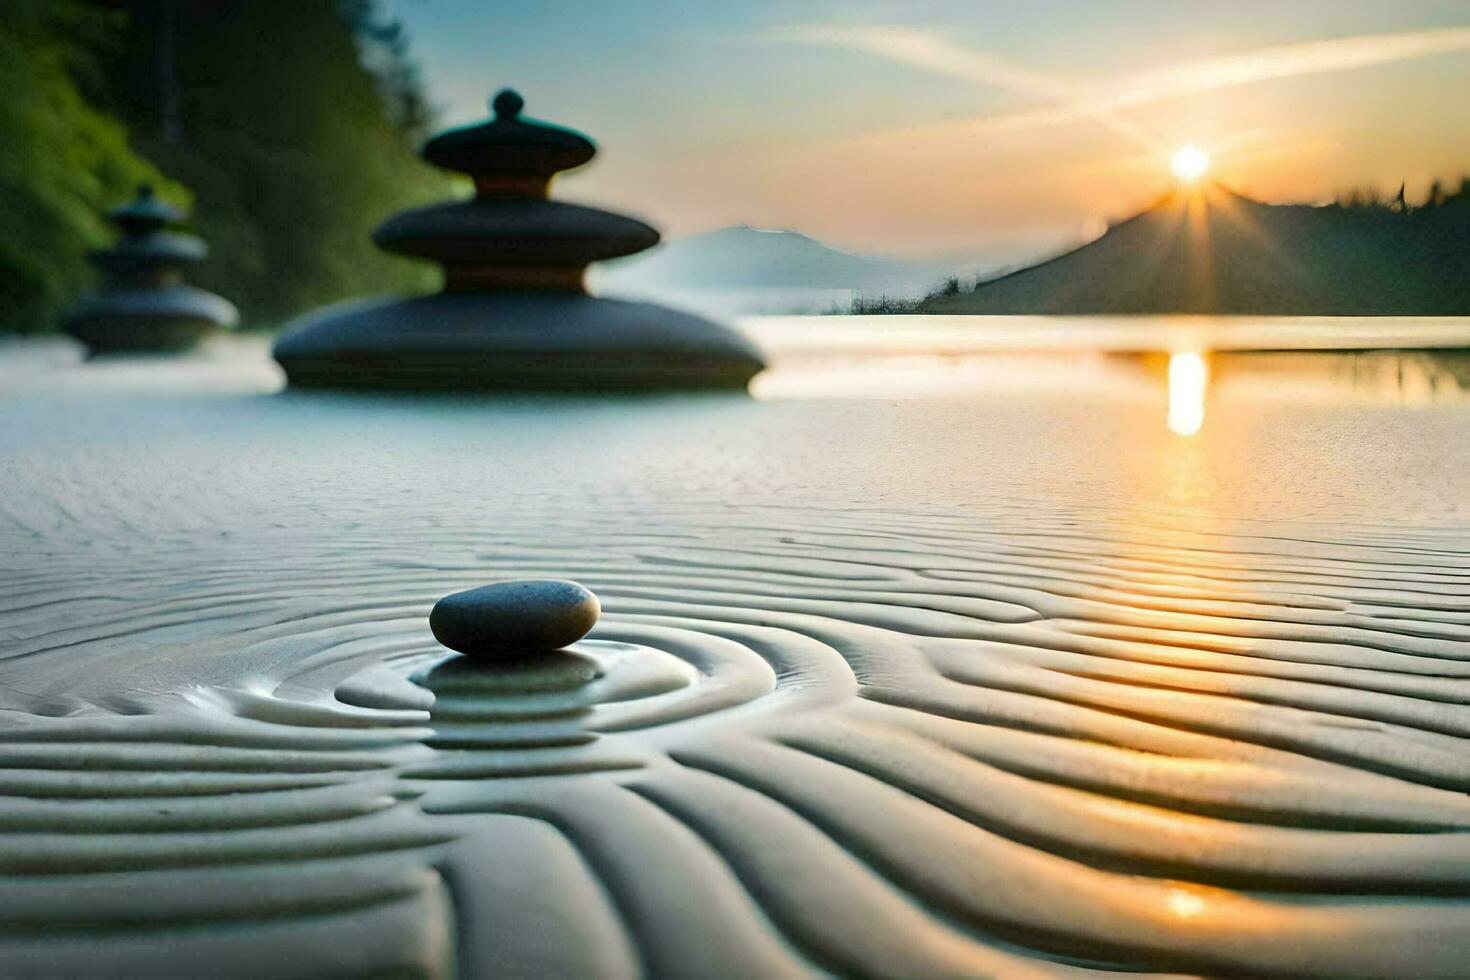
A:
(1332, 418)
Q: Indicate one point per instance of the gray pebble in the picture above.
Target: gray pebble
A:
(514, 619)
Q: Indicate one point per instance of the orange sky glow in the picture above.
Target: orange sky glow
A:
(970, 130)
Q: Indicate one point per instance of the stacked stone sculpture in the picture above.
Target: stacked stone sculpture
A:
(143, 303)
(514, 312)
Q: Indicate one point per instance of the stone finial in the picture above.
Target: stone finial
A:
(507, 104)
(510, 154)
(145, 213)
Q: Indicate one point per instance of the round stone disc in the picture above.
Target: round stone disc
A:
(513, 340)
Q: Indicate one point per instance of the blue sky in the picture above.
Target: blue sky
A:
(941, 127)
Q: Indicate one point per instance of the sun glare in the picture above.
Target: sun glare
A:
(1189, 377)
(1190, 163)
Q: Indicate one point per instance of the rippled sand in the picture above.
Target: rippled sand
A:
(1010, 686)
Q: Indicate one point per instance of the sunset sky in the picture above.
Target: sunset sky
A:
(963, 129)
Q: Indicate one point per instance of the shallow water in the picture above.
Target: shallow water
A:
(1000, 663)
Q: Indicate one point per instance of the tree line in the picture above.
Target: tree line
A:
(289, 127)
(1438, 195)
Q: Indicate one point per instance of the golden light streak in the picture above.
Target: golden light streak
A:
(933, 53)
(1103, 102)
(1189, 378)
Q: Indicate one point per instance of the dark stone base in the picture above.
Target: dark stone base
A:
(115, 335)
(513, 341)
(169, 319)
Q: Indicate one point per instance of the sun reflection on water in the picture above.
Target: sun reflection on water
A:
(1189, 377)
(1184, 903)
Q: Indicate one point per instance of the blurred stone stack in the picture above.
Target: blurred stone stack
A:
(514, 312)
(143, 303)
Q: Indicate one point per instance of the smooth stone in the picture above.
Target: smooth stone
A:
(485, 341)
(513, 619)
(148, 318)
(527, 231)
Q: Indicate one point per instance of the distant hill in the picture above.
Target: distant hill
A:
(1215, 251)
(742, 257)
(746, 270)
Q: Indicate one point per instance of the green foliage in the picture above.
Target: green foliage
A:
(64, 160)
(385, 53)
(295, 123)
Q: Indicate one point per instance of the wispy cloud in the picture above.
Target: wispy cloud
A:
(927, 50)
(1105, 101)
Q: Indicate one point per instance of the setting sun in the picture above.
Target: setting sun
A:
(1190, 163)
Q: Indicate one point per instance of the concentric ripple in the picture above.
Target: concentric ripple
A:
(996, 751)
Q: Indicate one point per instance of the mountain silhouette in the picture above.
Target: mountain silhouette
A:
(1211, 250)
(743, 257)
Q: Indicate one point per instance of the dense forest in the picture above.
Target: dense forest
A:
(289, 127)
